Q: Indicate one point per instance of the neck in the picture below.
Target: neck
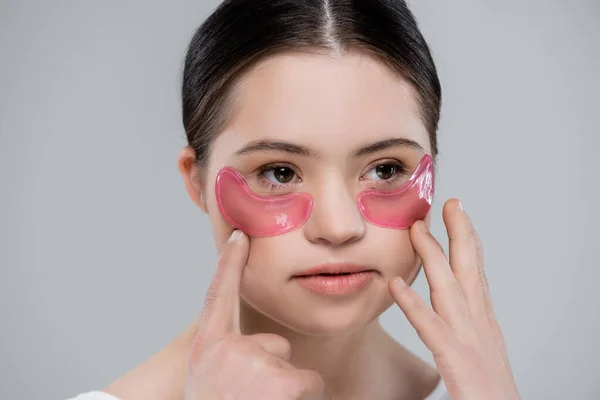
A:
(352, 364)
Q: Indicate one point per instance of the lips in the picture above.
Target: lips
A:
(336, 279)
(335, 269)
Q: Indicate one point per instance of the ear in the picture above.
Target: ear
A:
(192, 176)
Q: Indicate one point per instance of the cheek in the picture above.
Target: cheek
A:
(271, 263)
(277, 258)
(399, 258)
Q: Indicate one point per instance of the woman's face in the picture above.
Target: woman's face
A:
(323, 125)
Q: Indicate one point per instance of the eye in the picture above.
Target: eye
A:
(385, 172)
(279, 174)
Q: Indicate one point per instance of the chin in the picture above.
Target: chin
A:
(315, 314)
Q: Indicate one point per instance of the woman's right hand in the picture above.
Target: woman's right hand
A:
(223, 363)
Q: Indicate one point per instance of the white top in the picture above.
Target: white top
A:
(439, 393)
(95, 396)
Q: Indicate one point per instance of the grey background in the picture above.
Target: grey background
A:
(104, 258)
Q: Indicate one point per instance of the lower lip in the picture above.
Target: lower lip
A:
(336, 285)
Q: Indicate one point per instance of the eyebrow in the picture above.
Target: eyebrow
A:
(274, 145)
(386, 144)
(291, 148)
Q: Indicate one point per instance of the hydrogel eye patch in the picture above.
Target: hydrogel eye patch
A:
(400, 208)
(267, 215)
(255, 214)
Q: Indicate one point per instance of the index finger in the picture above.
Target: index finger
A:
(220, 314)
(465, 254)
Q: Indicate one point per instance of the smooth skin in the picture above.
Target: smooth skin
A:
(461, 331)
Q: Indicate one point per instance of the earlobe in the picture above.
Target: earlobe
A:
(191, 176)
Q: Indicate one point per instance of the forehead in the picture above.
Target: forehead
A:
(332, 103)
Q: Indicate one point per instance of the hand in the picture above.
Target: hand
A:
(223, 363)
(461, 331)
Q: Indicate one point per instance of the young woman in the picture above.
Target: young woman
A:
(312, 129)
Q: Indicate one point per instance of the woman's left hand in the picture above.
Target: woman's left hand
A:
(461, 331)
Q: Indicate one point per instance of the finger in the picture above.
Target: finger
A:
(273, 344)
(431, 253)
(430, 327)
(220, 315)
(466, 258)
(446, 296)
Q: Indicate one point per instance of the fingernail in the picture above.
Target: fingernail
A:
(399, 282)
(235, 236)
(460, 205)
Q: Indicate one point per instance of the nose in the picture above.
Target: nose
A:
(335, 218)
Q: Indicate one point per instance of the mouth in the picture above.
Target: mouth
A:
(336, 279)
(335, 269)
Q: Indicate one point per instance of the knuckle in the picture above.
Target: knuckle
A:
(209, 298)
(276, 339)
(272, 343)
(482, 279)
(451, 289)
(237, 350)
(284, 344)
(317, 383)
(230, 348)
(455, 289)
(284, 382)
(260, 362)
(307, 382)
(212, 292)
(410, 304)
(410, 299)
(437, 296)
(472, 279)
(473, 234)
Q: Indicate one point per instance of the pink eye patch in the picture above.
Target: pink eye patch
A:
(261, 216)
(400, 208)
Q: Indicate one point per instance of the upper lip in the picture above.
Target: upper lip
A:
(335, 268)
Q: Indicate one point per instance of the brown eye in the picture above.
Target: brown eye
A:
(385, 171)
(283, 174)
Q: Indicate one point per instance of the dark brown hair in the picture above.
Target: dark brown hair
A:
(239, 33)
